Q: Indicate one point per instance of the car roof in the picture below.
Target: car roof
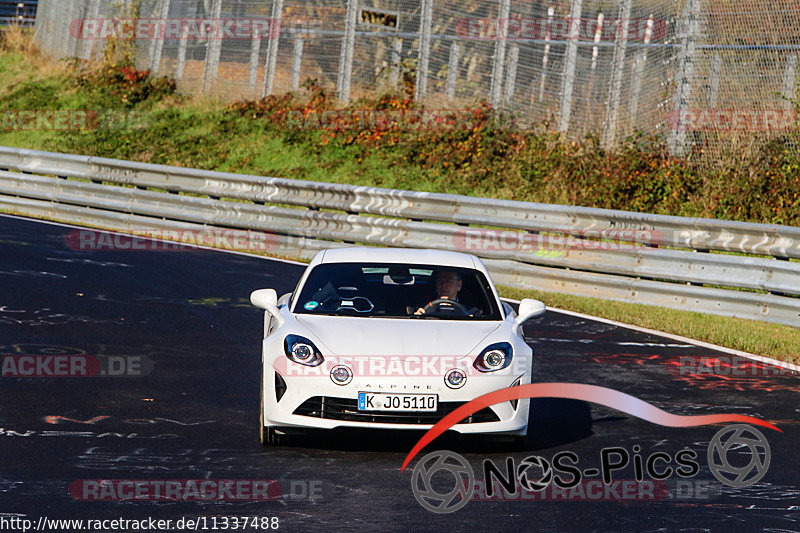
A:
(413, 256)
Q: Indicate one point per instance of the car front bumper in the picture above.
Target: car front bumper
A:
(316, 402)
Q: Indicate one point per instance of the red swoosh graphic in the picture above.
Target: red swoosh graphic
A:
(575, 391)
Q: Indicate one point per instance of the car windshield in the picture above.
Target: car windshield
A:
(397, 291)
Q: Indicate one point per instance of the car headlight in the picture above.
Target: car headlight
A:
(302, 351)
(494, 357)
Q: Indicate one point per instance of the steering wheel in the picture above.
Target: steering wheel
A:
(439, 303)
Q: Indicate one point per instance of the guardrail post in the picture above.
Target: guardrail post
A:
(274, 39)
(546, 54)
(424, 50)
(182, 51)
(255, 49)
(689, 29)
(570, 64)
(452, 71)
(496, 87)
(713, 81)
(617, 69)
(639, 62)
(511, 77)
(346, 55)
(789, 81)
(297, 61)
(213, 50)
(397, 58)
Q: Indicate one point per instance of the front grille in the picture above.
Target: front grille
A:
(347, 409)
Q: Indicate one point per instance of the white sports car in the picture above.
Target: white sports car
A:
(391, 339)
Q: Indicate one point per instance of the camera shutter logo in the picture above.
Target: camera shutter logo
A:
(443, 502)
(732, 439)
(544, 480)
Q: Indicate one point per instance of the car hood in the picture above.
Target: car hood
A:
(380, 336)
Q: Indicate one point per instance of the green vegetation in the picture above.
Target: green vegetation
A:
(381, 142)
(771, 340)
(307, 136)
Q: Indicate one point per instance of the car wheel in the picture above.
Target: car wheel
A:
(270, 437)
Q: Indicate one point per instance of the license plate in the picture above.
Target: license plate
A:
(378, 401)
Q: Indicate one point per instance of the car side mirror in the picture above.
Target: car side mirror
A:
(266, 299)
(528, 309)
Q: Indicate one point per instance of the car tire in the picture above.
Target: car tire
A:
(270, 437)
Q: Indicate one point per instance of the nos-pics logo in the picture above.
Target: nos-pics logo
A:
(444, 481)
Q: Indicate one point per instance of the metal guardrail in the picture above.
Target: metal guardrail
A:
(113, 194)
(21, 21)
(692, 233)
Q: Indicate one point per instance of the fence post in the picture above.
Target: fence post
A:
(397, 57)
(94, 13)
(182, 51)
(273, 41)
(789, 81)
(346, 55)
(496, 87)
(617, 69)
(546, 55)
(46, 35)
(78, 48)
(297, 61)
(214, 50)
(511, 77)
(570, 64)
(452, 71)
(639, 62)
(255, 49)
(598, 34)
(688, 33)
(424, 50)
(42, 9)
(151, 51)
(158, 40)
(713, 82)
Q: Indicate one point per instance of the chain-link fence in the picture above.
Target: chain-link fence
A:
(691, 71)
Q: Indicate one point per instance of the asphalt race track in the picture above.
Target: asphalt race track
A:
(194, 414)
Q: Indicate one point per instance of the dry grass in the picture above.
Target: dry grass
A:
(16, 40)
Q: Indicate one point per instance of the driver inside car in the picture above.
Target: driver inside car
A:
(448, 285)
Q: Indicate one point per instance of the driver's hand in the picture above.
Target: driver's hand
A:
(419, 311)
